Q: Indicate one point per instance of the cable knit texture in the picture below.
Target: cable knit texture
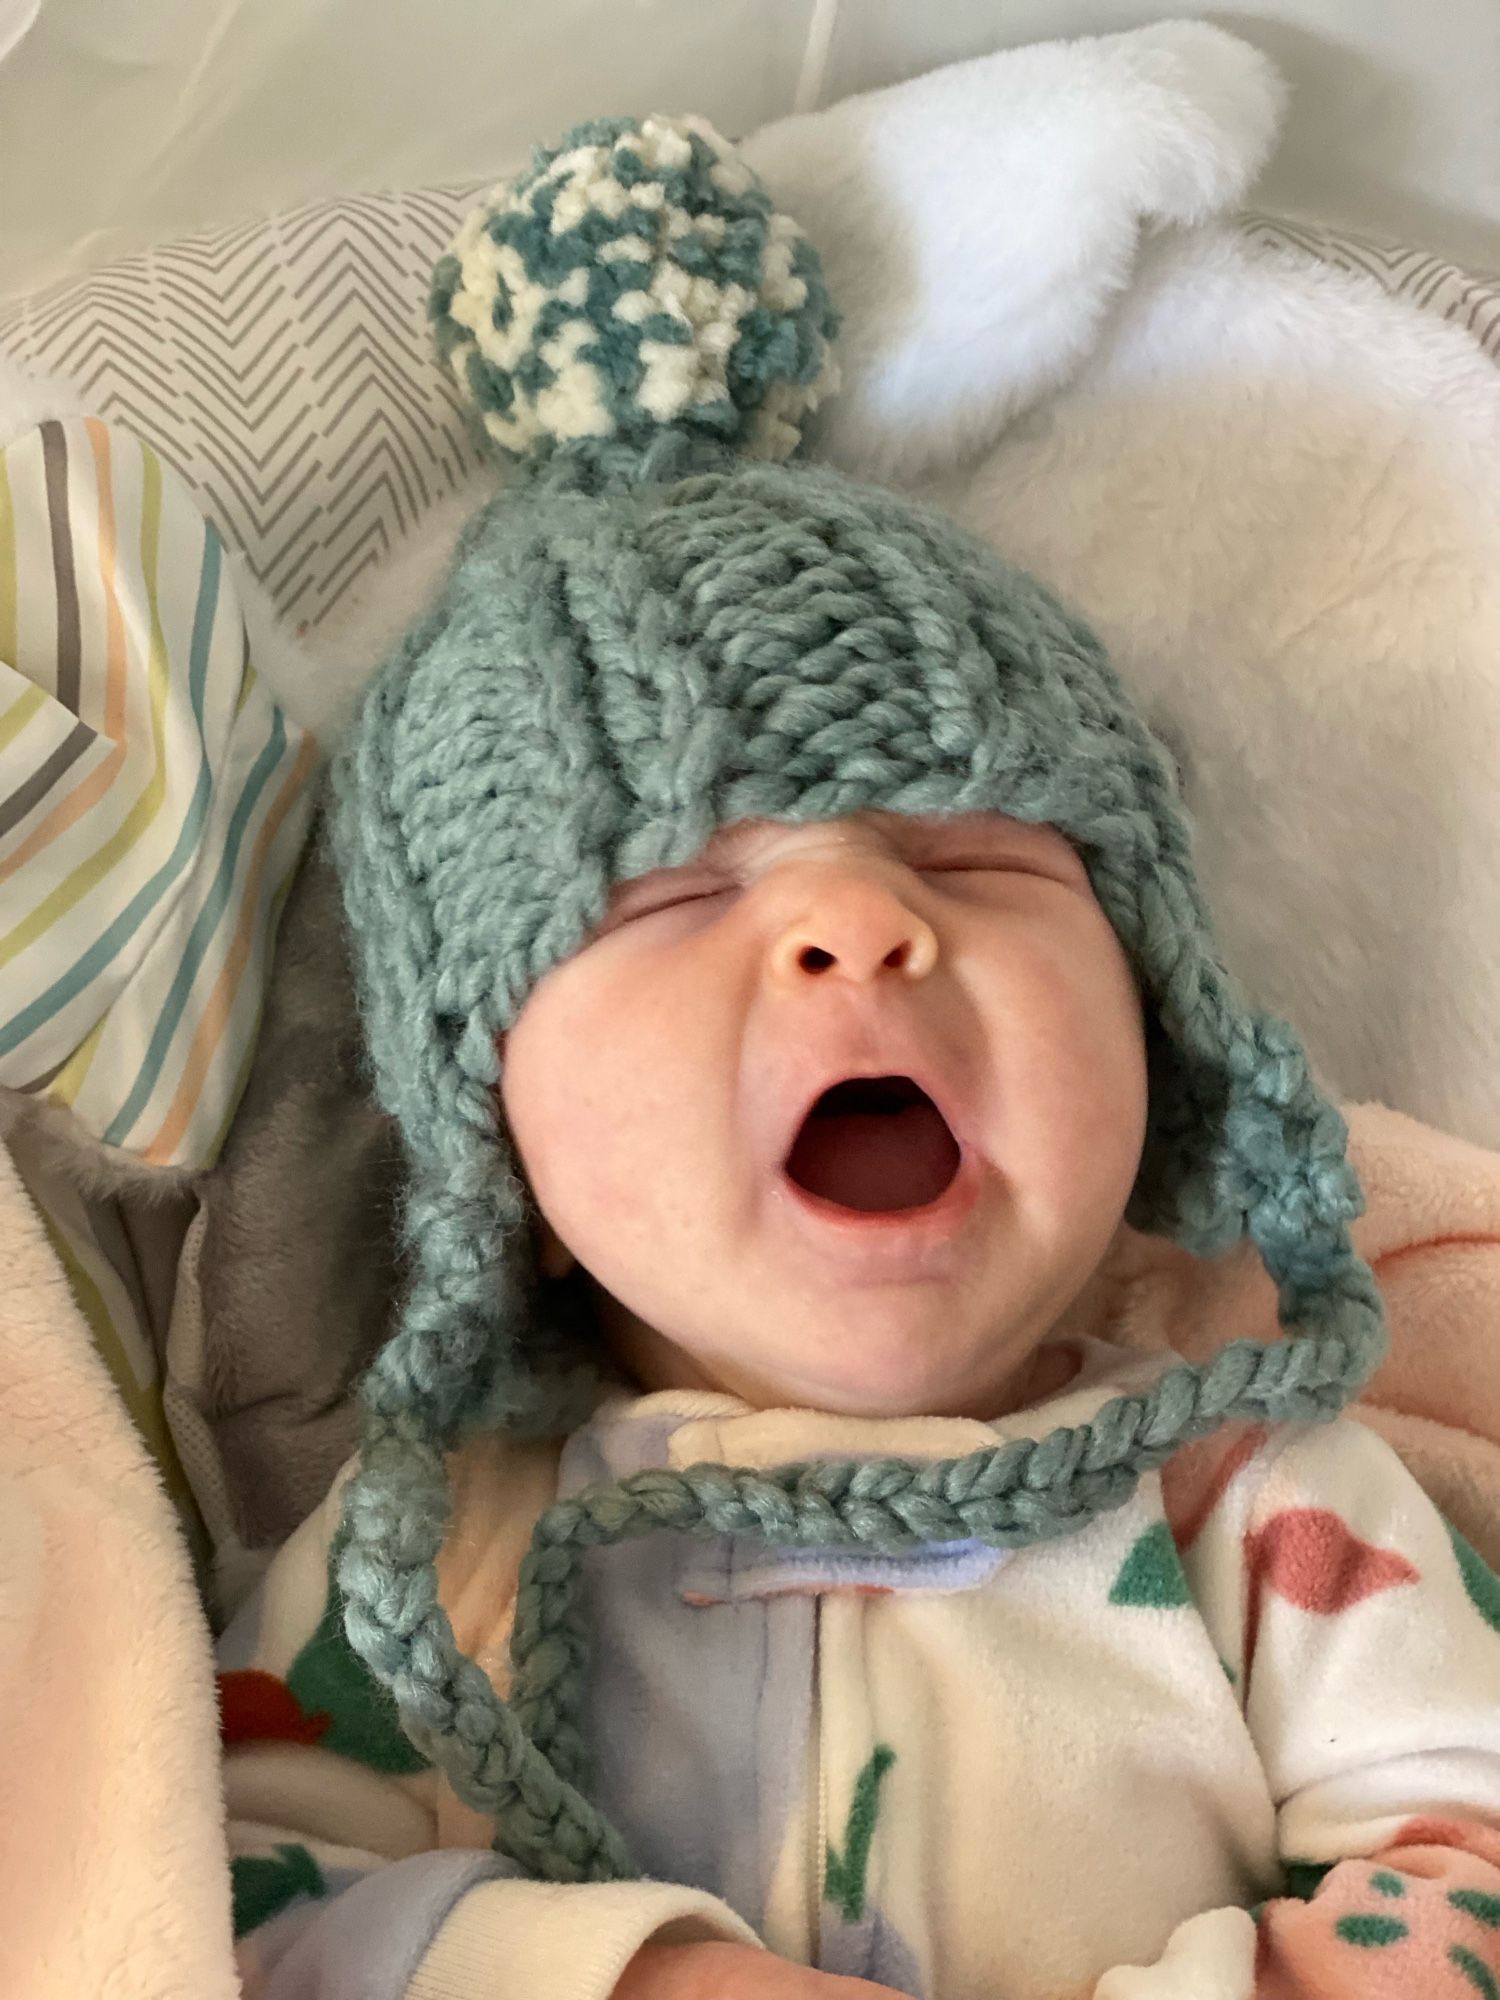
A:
(659, 628)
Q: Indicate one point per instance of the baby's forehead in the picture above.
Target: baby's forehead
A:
(904, 834)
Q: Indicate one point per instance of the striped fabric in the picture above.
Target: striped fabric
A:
(154, 798)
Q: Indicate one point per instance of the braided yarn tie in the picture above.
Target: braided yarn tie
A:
(1007, 1496)
(524, 1761)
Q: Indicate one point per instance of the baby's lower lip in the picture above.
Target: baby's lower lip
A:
(889, 1242)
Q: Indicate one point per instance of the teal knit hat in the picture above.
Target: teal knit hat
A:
(663, 624)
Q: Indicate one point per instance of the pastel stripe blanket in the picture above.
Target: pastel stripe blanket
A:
(154, 798)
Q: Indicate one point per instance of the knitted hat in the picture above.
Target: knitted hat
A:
(663, 624)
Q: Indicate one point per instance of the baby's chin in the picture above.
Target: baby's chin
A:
(884, 1373)
(1031, 1378)
(928, 1351)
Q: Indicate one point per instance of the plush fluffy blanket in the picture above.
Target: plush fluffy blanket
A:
(111, 1837)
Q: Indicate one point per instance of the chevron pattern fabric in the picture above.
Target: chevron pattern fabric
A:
(1470, 299)
(284, 368)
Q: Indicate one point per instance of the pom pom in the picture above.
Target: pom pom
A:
(635, 279)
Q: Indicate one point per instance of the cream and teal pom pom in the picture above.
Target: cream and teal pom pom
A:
(635, 278)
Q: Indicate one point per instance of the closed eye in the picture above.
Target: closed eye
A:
(677, 902)
(977, 868)
(991, 872)
(633, 910)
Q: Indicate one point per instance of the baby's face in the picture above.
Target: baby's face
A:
(842, 1115)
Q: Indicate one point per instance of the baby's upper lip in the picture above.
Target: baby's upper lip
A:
(888, 1055)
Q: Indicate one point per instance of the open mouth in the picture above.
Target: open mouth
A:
(875, 1144)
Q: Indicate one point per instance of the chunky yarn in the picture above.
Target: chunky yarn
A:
(635, 277)
(663, 624)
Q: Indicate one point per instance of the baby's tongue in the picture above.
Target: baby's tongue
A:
(874, 1144)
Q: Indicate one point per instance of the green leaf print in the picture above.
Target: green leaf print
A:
(845, 1873)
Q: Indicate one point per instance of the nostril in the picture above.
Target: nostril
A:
(813, 958)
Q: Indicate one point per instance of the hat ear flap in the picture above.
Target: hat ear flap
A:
(474, 1350)
(1286, 1165)
(1251, 1147)
(395, 1509)
(1179, 1192)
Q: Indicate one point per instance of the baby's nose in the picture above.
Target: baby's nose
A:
(851, 927)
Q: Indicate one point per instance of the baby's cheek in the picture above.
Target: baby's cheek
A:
(617, 1181)
(572, 1159)
(1071, 1042)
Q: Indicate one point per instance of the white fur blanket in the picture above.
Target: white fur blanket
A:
(1274, 490)
(112, 1849)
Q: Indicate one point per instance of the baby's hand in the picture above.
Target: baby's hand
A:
(733, 1972)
